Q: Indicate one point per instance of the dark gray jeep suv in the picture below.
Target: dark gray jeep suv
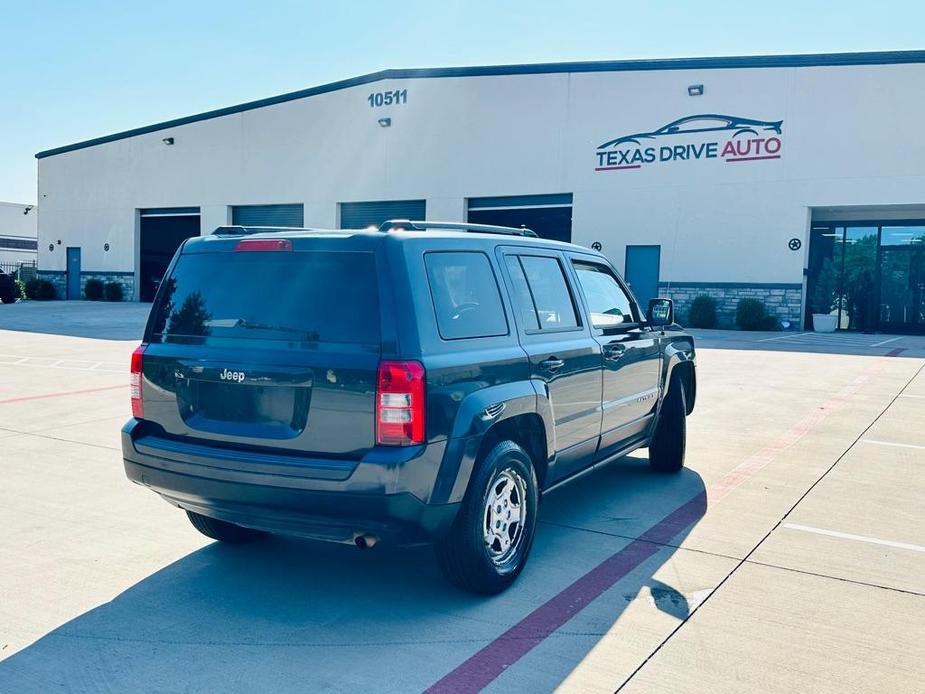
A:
(426, 382)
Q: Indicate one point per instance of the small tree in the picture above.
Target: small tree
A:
(823, 297)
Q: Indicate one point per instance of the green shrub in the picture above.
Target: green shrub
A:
(40, 289)
(751, 314)
(703, 312)
(20, 288)
(93, 290)
(113, 291)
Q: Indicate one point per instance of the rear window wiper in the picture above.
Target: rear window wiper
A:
(253, 325)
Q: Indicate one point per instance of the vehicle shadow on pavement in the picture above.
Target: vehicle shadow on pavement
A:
(292, 615)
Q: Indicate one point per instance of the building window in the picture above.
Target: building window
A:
(18, 243)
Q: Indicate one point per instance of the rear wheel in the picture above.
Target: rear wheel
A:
(223, 531)
(489, 542)
(666, 451)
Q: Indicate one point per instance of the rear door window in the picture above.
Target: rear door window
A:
(465, 293)
(520, 294)
(552, 299)
(306, 296)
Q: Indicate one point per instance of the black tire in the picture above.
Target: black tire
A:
(666, 450)
(464, 555)
(223, 531)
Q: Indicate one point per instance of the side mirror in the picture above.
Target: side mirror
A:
(660, 312)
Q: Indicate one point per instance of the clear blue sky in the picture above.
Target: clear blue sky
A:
(70, 71)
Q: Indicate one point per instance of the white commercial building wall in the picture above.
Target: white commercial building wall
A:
(850, 137)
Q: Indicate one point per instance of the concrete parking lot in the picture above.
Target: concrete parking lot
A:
(788, 556)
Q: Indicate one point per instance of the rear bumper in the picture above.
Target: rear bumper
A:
(320, 499)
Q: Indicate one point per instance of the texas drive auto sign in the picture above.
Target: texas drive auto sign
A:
(704, 136)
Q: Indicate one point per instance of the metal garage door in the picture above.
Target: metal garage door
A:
(162, 231)
(550, 216)
(268, 215)
(359, 215)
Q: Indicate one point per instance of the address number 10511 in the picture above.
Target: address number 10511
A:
(399, 96)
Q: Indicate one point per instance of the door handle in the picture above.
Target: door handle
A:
(614, 352)
(552, 364)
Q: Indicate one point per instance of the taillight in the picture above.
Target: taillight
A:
(400, 403)
(138, 410)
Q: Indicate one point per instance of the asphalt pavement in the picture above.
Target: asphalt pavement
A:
(788, 556)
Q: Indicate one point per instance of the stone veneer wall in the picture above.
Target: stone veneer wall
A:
(781, 300)
(59, 279)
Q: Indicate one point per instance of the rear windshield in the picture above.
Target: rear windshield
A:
(302, 296)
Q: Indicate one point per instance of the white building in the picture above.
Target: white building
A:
(728, 176)
(18, 231)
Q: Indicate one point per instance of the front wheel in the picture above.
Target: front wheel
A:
(488, 544)
(666, 451)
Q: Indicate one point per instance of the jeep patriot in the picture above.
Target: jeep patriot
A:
(424, 382)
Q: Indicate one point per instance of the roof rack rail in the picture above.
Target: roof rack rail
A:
(229, 230)
(423, 225)
(241, 230)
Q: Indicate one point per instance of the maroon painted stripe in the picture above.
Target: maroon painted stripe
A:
(62, 394)
(618, 168)
(482, 668)
(895, 352)
(772, 156)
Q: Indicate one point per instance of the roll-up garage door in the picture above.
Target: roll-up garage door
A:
(360, 215)
(268, 215)
(550, 216)
(162, 231)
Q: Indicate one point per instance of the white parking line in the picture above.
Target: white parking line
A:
(897, 445)
(858, 538)
(908, 395)
(831, 340)
(779, 337)
(55, 363)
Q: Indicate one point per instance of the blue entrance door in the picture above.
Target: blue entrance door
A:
(73, 273)
(642, 263)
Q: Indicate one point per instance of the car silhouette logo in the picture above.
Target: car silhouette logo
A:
(702, 123)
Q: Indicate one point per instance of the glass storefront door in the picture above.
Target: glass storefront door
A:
(902, 279)
(870, 275)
